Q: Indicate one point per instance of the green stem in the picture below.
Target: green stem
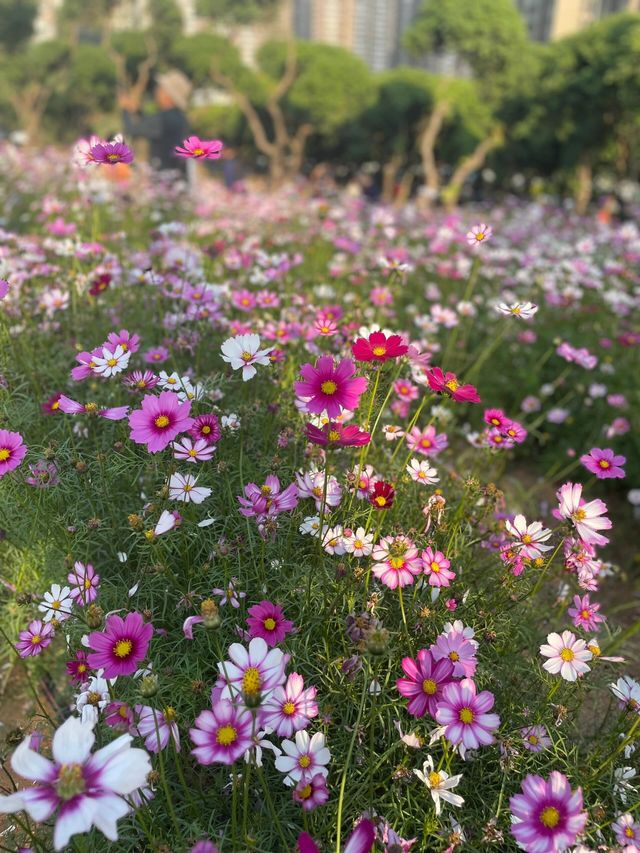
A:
(343, 781)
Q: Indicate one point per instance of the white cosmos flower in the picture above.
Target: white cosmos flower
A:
(304, 758)
(92, 699)
(242, 352)
(166, 522)
(57, 603)
(523, 310)
(111, 362)
(182, 487)
(360, 543)
(230, 422)
(440, 784)
(421, 472)
(529, 536)
(171, 381)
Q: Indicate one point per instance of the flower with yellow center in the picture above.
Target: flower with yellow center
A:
(328, 387)
(304, 761)
(5, 453)
(550, 817)
(251, 682)
(429, 686)
(123, 648)
(161, 421)
(226, 735)
(269, 623)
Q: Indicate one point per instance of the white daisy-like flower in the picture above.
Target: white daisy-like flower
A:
(523, 310)
(359, 543)
(92, 699)
(627, 690)
(440, 785)
(242, 352)
(182, 487)
(310, 525)
(230, 422)
(111, 362)
(567, 655)
(57, 603)
(529, 536)
(170, 381)
(304, 758)
(421, 472)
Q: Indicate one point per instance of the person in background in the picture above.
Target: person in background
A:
(165, 128)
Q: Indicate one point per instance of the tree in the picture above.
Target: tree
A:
(17, 18)
(237, 11)
(489, 37)
(167, 24)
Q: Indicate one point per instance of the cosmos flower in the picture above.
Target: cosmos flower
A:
(522, 310)
(122, 646)
(447, 383)
(338, 435)
(304, 757)
(436, 567)
(243, 352)
(382, 495)
(585, 613)
(111, 362)
(110, 153)
(421, 472)
(188, 450)
(547, 816)
(57, 603)
(157, 727)
(529, 537)
(267, 620)
(566, 655)
(465, 714)
(85, 582)
(588, 518)
(535, 738)
(35, 638)
(251, 673)
(424, 683)
(291, 707)
(71, 407)
(12, 451)
(378, 347)
(200, 149)
(605, 464)
(330, 386)
(223, 734)
(85, 789)
(440, 785)
(311, 793)
(159, 421)
(627, 830)
(182, 487)
(479, 234)
(427, 442)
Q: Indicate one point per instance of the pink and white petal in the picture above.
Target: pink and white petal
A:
(110, 809)
(74, 817)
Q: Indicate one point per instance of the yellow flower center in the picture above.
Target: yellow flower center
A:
(379, 350)
(304, 761)
(628, 831)
(251, 681)
(35, 639)
(55, 605)
(198, 152)
(112, 362)
(187, 487)
(533, 740)
(527, 539)
(91, 407)
(113, 158)
(265, 490)
(358, 544)
(567, 654)
(396, 562)
(425, 442)
(206, 429)
(56, 405)
(161, 421)
(122, 711)
(380, 500)
(479, 236)
(452, 385)
(122, 648)
(585, 614)
(454, 656)
(329, 387)
(269, 623)
(334, 435)
(435, 567)
(579, 515)
(305, 793)
(93, 698)
(70, 781)
(192, 452)
(5, 453)
(429, 686)
(434, 779)
(466, 716)
(81, 667)
(288, 708)
(603, 463)
(550, 817)
(87, 583)
(226, 735)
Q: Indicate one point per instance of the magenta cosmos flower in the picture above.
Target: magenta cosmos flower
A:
(448, 383)
(159, 420)
(424, 683)
(547, 815)
(465, 714)
(111, 153)
(603, 463)
(330, 386)
(379, 347)
(200, 149)
(290, 708)
(585, 613)
(311, 793)
(12, 451)
(267, 620)
(223, 734)
(121, 646)
(338, 435)
(436, 567)
(37, 637)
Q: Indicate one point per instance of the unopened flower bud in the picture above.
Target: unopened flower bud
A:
(210, 613)
(149, 685)
(377, 640)
(94, 616)
(135, 521)
(94, 523)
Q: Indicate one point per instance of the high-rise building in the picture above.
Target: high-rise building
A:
(553, 19)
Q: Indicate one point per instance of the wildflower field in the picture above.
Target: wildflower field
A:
(317, 519)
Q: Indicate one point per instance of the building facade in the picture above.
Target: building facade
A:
(548, 20)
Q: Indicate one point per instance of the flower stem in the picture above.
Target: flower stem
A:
(343, 781)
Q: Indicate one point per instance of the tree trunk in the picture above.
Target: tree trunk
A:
(389, 172)
(427, 145)
(297, 146)
(404, 190)
(584, 186)
(470, 164)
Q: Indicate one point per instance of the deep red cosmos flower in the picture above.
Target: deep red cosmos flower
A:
(337, 434)
(100, 284)
(447, 383)
(378, 347)
(382, 496)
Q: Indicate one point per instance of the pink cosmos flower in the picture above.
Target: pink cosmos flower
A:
(140, 380)
(588, 518)
(121, 646)
(71, 407)
(603, 463)
(580, 356)
(627, 831)
(427, 441)
(42, 475)
(290, 708)
(426, 679)
(529, 537)
(479, 234)
(111, 153)
(267, 620)
(119, 715)
(86, 789)
(156, 355)
(567, 655)
(398, 561)
(188, 450)
(85, 582)
(159, 420)
(338, 435)
(378, 347)
(460, 650)
(123, 338)
(311, 793)
(251, 673)
(535, 738)
(12, 451)
(156, 727)
(361, 840)
(465, 715)
(329, 386)
(206, 427)
(447, 383)
(548, 815)
(200, 149)
(78, 668)
(436, 566)
(223, 734)
(35, 638)
(585, 613)
(204, 847)
(268, 499)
